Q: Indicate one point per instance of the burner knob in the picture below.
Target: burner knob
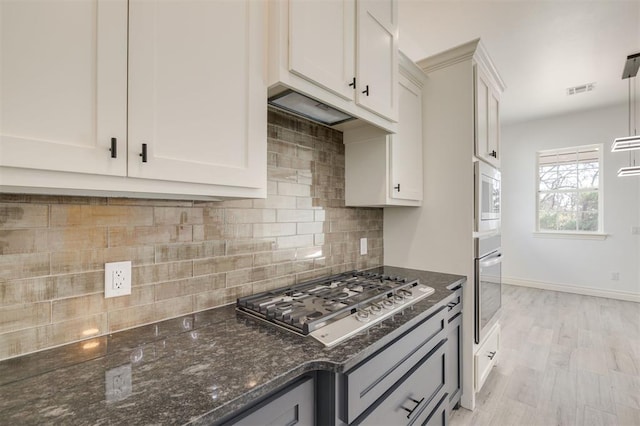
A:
(375, 309)
(362, 316)
(407, 294)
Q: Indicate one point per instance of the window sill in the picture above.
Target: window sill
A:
(571, 235)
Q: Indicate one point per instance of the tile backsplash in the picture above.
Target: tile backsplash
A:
(187, 255)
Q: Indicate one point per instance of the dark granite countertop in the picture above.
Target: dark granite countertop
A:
(195, 368)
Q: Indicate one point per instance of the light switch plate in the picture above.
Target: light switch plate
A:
(117, 279)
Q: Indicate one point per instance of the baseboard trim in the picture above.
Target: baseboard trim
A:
(567, 288)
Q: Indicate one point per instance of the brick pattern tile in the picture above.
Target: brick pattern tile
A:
(187, 255)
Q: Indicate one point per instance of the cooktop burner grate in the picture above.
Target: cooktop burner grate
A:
(308, 306)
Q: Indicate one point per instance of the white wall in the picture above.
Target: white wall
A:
(585, 264)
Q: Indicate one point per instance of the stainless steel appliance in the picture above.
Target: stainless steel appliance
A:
(334, 308)
(488, 283)
(487, 197)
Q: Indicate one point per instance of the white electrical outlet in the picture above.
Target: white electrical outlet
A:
(117, 279)
(615, 276)
(363, 246)
(118, 383)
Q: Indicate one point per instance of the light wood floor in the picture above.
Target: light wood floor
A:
(565, 359)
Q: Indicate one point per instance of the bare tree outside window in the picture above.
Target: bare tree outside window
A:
(568, 189)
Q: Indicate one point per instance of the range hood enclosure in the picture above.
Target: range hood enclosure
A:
(310, 108)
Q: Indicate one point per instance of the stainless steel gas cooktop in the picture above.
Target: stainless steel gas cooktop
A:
(332, 309)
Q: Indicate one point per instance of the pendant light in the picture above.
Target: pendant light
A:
(629, 171)
(632, 142)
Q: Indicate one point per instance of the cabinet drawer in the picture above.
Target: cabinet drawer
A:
(293, 405)
(419, 391)
(368, 381)
(486, 356)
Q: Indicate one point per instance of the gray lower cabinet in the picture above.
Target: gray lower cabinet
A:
(413, 380)
(294, 405)
(413, 399)
(370, 380)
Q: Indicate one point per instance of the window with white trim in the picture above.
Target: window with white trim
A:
(570, 190)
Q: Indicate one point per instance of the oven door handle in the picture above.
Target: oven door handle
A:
(493, 260)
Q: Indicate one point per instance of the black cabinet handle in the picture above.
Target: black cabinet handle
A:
(114, 148)
(493, 154)
(353, 83)
(366, 90)
(143, 154)
(414, 408)
(452, 305)
(491, 354)
(397, 187)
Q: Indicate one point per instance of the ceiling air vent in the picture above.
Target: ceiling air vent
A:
(581, 89)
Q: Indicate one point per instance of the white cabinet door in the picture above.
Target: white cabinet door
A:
(482, 116)
(486, 356)
(321, 43)
(486, 120)
(197, 95)
(406, 145)
(376, 57)
(63, 85)
(493, 133)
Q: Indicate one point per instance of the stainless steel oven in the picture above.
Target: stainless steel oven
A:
(488, 283)
(487, 197)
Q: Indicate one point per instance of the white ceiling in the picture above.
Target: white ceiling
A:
(539, 47)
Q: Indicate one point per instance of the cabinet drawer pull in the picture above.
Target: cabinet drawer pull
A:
(397, 187)
(493, 154)
(415, 401)
(143, 154)
(353, 83)
(366, 90)
(491, 354)
(114, 148)
(452, 305)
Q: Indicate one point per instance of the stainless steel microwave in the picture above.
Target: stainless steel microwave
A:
(487, 197)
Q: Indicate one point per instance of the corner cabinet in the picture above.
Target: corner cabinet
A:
(383, 169)
(132, 98)
(342, 53)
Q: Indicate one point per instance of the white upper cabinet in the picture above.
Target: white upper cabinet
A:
(322, 43)
(184, 79)
(194, 77)
(377, 53)
(342, 53)
(487, 118)
(406, 146)
(387, 169)
(483, 96)
(63, 85)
